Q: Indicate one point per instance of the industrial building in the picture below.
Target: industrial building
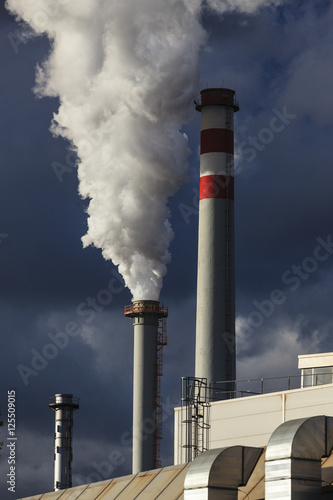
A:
(232, 439)
(265, 446)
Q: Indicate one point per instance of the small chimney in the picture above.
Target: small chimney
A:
(64, 405)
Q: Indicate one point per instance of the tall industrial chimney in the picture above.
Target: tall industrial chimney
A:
(149, 339)
(64, 405)
(215, 325)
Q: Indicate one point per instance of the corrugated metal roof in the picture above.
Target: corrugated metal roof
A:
(165, 484)
(54, 495)
(35, 497)
(91, 492)
(72, 493)
(168, 484)
(130, 486)
(116, 486)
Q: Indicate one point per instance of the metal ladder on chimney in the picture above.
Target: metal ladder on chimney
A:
(161, 342)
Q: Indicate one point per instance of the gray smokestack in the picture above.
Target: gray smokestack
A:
(146, 315)
(215, 328)
(64, 405)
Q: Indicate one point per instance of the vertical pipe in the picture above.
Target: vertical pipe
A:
(215, 324)
(283, 407)
(64, 405)
(145, 314)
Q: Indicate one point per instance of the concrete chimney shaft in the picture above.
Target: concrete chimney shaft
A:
(215, 323)
(146, 315)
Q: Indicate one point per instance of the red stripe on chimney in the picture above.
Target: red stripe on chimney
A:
(217, 140)
(217, 186)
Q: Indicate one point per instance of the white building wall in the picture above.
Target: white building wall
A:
(250, 421)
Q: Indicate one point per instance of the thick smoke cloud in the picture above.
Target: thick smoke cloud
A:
(246, 6)
(125, 74)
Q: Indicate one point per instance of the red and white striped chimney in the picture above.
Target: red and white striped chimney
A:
(215, 357)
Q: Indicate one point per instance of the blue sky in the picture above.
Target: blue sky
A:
(279, 59)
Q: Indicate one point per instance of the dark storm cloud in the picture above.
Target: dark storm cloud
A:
(283, 205)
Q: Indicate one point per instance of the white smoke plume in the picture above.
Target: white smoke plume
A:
(245, 6)
(125, 73)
